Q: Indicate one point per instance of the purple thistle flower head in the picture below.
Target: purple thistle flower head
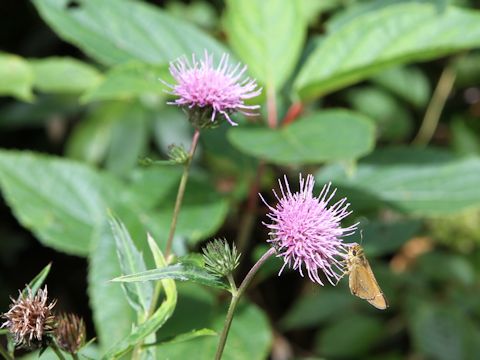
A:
(306, 231)
(206, 90)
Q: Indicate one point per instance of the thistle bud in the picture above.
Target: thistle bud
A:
(177, 154)
(70, 333)
(30, 320)
(220, 258)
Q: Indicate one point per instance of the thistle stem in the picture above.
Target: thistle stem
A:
(235, 299)
(181, 192)
(5, 353)
(57, 351)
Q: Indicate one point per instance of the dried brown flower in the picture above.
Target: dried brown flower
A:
(30, 319)
(70, 333)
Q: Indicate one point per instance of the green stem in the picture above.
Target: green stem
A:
(75, 356)
(435, 107)
(57, 351)
(236, 295)
(5, 353)
(181, 192)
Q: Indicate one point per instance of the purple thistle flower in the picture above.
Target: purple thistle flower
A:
(216, 90)
(305, 231)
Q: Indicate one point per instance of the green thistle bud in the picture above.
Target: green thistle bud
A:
(220, 258)
(177, 154)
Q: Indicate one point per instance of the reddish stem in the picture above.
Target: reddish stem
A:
(293, 113)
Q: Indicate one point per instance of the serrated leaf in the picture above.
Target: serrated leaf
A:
(425, 182)
(183, 272)
(37, 282)
(395, 34)
(62, 202)
(112, 315)
(152, 324)
(114, 32)
(139, 295)
(262, 32)
(63, 75)
(130, 80)
(323, 136)
(16, 77)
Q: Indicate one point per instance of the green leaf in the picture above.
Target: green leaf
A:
(395, 34)
(143, 183)
(465, 140)
(262, 33)
(63, 75)
(203, 211)
(114, 32)
(152, 324)
(129, 138)
(183, 272)
(17, 114)
(409, 83)
(130, 80)
(425, 182)
(139, 295)
(441, 332)
(393, 120)
(313, 309)
(37, 282)
(17, 77)
(116, 132)
(349, 336)
(112, 315)
(186, 337)
(62, 202)
(323, 136)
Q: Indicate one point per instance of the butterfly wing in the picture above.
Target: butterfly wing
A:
(363, 284)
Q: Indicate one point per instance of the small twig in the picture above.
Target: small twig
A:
(435, 107)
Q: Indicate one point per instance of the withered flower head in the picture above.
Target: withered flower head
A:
(70, 333)
(30, 319)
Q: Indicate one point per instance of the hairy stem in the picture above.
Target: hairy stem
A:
(236, 295)
(57, 351)
(435, 107)
(181, 192)
(272, 116)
